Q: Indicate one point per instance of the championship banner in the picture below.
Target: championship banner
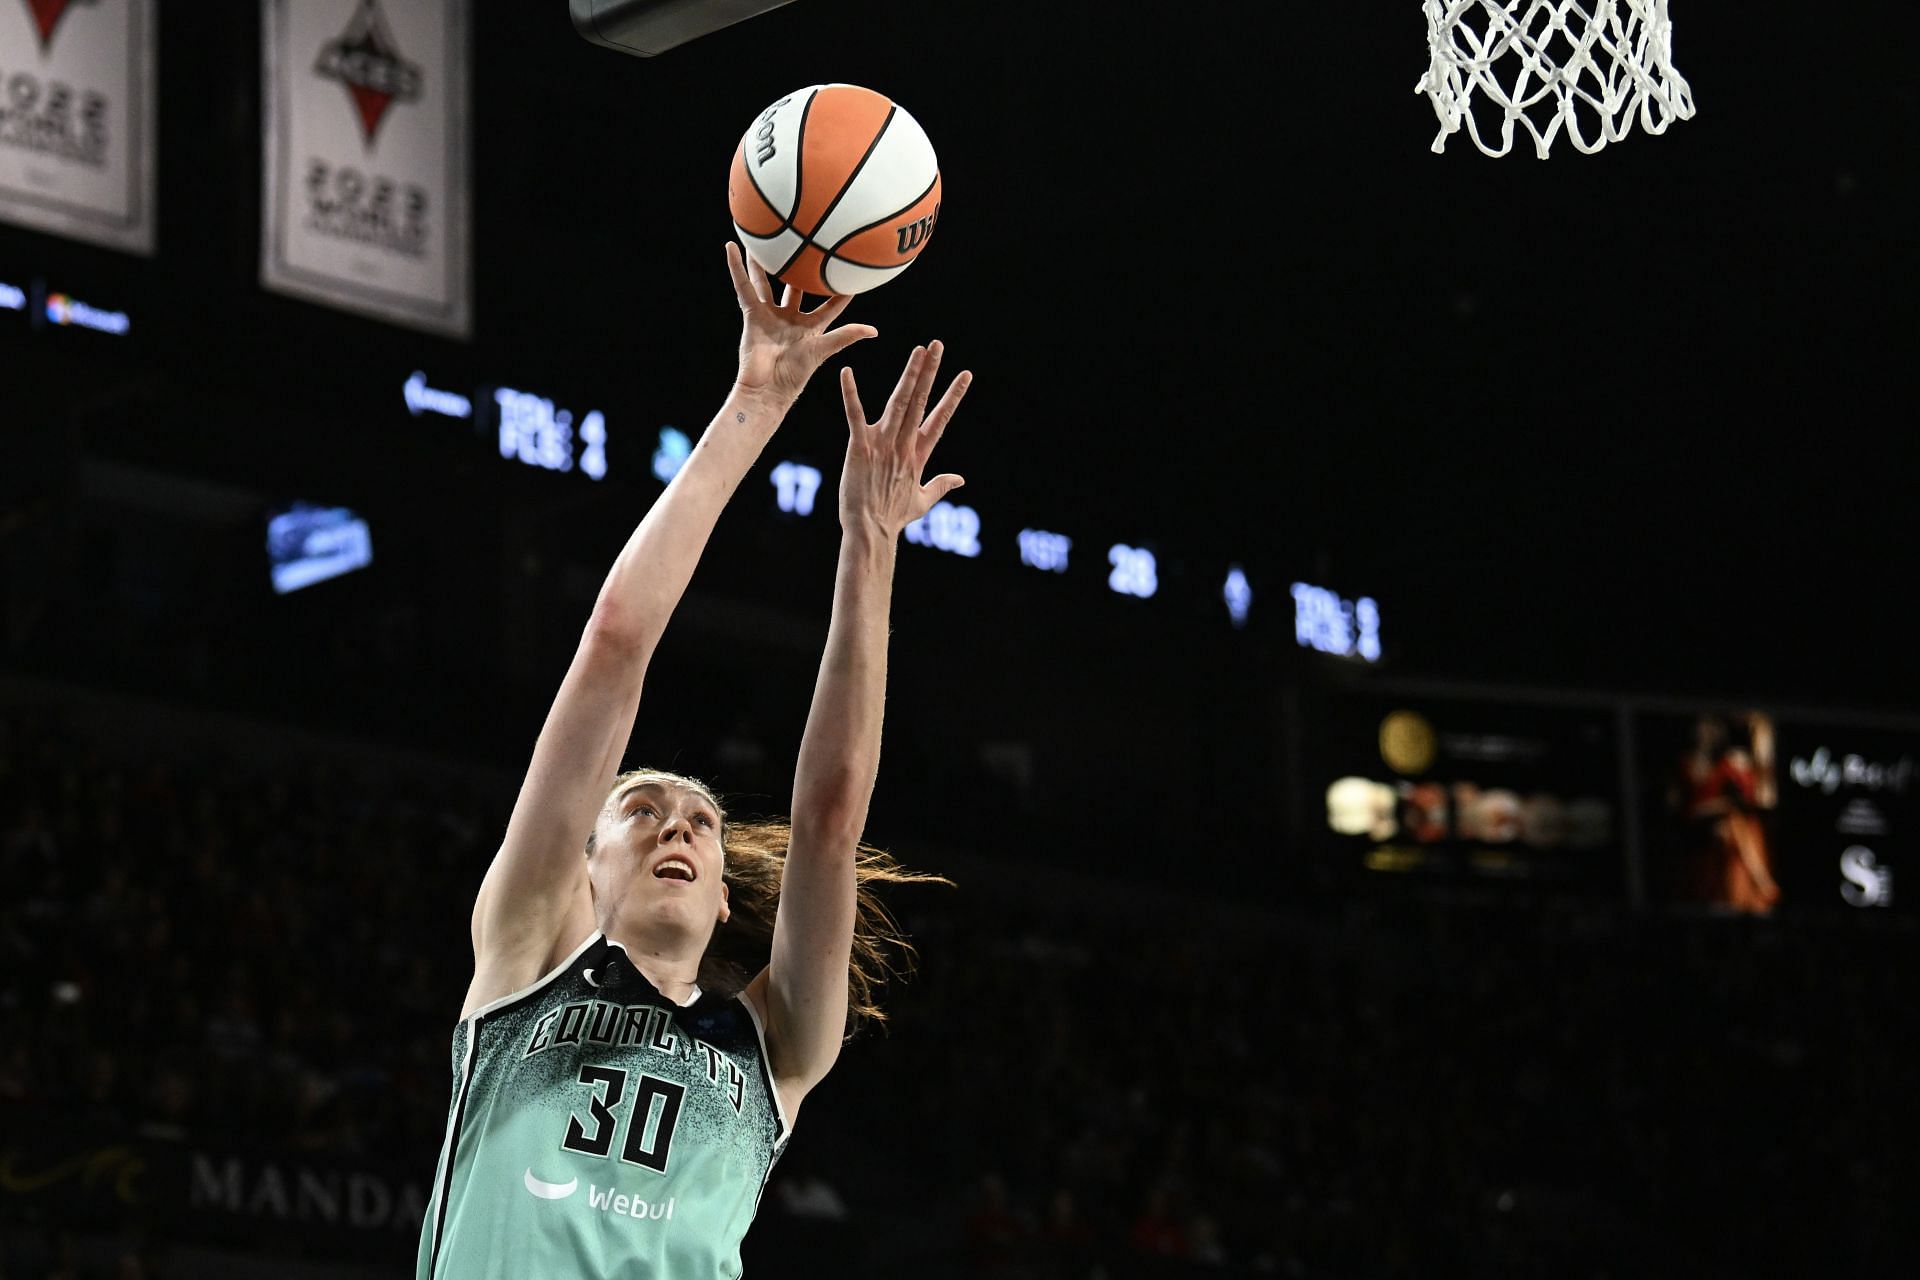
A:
(366, 202)
(77, 119)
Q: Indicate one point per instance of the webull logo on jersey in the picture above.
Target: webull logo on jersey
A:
(619, 1204)
(549, 1190)
(605, 1199)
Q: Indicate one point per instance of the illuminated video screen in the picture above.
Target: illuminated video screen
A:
(1462, 791)
(1748, 813)
(308, 544)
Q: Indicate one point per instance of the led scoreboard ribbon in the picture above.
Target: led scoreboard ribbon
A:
(531, 429)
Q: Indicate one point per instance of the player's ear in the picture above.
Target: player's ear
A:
(725, 910)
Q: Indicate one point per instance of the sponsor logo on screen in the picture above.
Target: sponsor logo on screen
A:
(1827, 770)
(422, 398)
(1869, 881)
(63, 310)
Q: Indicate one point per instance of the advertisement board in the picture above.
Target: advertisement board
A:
(1464, 790)
(1750, 812)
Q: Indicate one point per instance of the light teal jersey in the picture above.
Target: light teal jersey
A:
(597, 1129)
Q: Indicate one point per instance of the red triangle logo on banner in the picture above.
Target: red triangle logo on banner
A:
(373, 104)
(46, 16)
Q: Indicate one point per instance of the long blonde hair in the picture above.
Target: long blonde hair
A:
(755, 858)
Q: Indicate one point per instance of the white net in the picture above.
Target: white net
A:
(1588, 66)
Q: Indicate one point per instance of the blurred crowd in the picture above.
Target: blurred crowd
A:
(230, 947)
(1155, 1080)
(1411, 1088)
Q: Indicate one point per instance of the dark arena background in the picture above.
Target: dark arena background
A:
(1364, 554)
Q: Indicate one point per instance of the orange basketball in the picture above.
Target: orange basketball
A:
(835, 189)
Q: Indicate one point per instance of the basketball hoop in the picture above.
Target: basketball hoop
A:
(1588, 65)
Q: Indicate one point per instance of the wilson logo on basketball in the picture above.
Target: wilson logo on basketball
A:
(914, 233)
(763, 133)
(367, 62)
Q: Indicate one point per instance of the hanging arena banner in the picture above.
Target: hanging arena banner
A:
(365, 180)
(77, 117)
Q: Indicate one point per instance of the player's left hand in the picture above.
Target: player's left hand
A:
(780, 345)
(880, 486)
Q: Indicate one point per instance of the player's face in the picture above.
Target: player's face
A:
(659, 855)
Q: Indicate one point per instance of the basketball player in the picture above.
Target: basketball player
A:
(615, 1111)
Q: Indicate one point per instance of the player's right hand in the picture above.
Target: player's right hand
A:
(780, 345)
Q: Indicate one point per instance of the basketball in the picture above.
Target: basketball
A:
(835, 189)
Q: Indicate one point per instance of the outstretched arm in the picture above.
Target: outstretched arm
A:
(536, 888)
(880, 494)
(780, 347)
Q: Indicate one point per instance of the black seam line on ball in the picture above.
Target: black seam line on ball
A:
(799, 172)
(853, 177)
(785, 223)
(880, 222)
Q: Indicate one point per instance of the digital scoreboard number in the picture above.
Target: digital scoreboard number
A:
(527, 427)
(1327, 623)
(795, 484)
(540, 435)
(948, 527)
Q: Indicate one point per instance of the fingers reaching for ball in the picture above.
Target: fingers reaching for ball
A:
(885, 458)
(929, 432)
(782, 344)
(743, 286)
(751, 284)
